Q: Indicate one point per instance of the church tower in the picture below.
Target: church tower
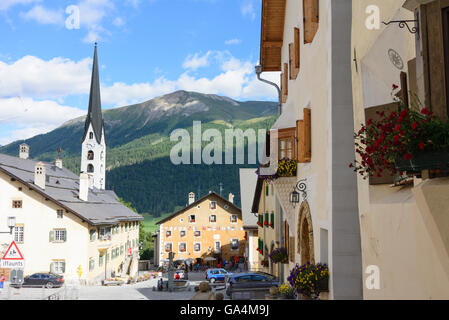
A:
(93, 153)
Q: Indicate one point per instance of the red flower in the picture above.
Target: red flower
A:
(422, 145)
(397, 128)
(351, 165)
(404, 113)
(408, 156)
(395, 139)
(414, 125)
(425, 111)
(395, 87)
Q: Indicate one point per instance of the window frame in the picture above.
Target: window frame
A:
(17, 204)
(171, 246)
(195, 244)
(17, 233)
(185, 247)
(231, 246)
(210, 218)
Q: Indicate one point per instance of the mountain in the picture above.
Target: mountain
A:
(137, 138)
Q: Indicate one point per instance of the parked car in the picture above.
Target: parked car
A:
(48, 280)
(217, 275)
(250, 285)
(180, 275)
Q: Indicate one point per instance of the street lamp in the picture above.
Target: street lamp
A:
(294, 197)
(11, 224)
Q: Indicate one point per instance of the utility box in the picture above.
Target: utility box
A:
(16, 277)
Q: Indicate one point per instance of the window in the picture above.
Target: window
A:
(60, 235)
(122, 250)
(168, 247)
(101, 260)
(168, 234)
(217, 246)
(311, 19)
(182, 247)
(57, 267)
(59, 214)
(233, 218)
(287, 142)
(91, 135)
(17, 204)
(212, 218)
(197, 234)
(182, 233)
(18, 233)
(197, 247)
(104, 233)
(93, 234)
(90, 155)
(234, 244)
(90, 168)
(192, 218)
(91, 264)
(213, 205)
(122, 227)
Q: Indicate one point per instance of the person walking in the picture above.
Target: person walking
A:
(2, 280)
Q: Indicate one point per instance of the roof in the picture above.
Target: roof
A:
(94, 115)
(212, 194)
(272, 34)
(248, 182)
(257, 194)
(62, 188)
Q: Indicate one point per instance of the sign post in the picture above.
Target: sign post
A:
(13, 258)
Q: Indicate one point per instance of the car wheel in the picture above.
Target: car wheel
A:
(49, 285)
(212, 280)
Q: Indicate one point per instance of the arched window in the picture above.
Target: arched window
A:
(90, 155)
(91, 135)
(90, 168)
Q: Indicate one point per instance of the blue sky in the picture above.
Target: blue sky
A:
(146, 48)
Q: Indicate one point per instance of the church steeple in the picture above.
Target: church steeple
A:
(93, 152)
(94, 115)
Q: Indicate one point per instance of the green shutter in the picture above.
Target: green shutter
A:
(52, 236)
(266, 217)
(272, 219)
(266, 190)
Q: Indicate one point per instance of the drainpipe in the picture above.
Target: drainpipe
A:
(258, 72)
(281, 235)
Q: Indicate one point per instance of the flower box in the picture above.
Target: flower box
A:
(430, 160)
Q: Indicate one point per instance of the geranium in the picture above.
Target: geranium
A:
(279, 255)
(400, 134)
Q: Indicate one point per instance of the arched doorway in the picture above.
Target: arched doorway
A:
(305, 235)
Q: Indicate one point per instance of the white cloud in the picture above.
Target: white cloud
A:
(248, 9)
(31, 117)
(195, 61)
(33, 77)
(233, 42)
(44, 16)
(6, 4)
(118, 22)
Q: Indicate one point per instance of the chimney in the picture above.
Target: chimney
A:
(231, 198)
(191, 198)
(58, 163)
(39, 175)
(24, 151)
(84, 186)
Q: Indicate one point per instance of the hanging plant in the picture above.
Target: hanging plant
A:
(279, 255)
(308, 279)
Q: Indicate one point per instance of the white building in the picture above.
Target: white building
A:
(64, 224)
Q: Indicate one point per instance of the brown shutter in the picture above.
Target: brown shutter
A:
(307, 134)
(412, 84)
(311, 19)
(292, 249)
(300, 136)
(285, 83)
(434, 58)
(297, 50)
(291, 57)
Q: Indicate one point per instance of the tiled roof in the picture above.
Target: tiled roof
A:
(62, 187)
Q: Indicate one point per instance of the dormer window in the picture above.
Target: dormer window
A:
(234, 218)
(192, 218)
(90, 155)
(213, 205)
(91, 135)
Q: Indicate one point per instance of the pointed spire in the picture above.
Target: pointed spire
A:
(94, 115)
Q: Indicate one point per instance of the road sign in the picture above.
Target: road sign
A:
(13, 258)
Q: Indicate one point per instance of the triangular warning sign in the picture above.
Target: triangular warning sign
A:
(13, 253)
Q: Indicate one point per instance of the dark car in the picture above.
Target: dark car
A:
(217, 274)
(250, 285)
(48, 280)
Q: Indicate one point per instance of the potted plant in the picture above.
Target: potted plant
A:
(287, 167)
(287, 292)
(401, 140)
(309, 280)
(279, 255)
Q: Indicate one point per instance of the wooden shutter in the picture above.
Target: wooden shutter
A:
(284, 83)
(304, 137)
(297, 49)
(52, 236)
(311, 19)
(291, 57)
(292, 249)
(434, 29)
(412, 84)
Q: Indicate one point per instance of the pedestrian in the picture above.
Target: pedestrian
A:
(2, 280)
